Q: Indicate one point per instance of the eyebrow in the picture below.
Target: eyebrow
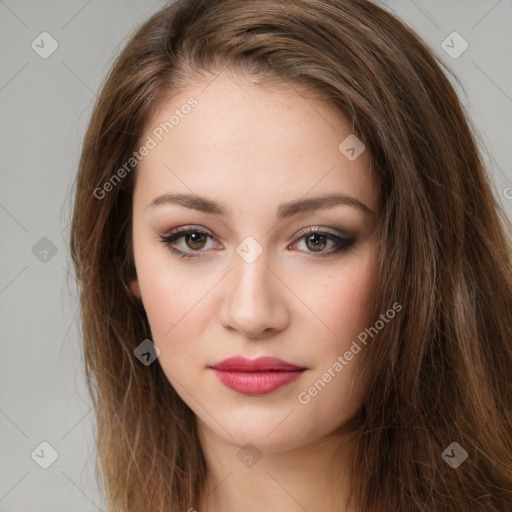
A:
(206, 205)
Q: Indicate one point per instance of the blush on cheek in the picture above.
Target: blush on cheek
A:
(344, 301)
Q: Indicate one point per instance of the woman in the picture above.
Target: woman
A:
(295, 279)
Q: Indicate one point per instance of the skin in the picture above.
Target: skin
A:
(253, 148)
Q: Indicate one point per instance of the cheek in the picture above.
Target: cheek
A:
(174, 301)
(170, 292)
(176, 315)
(339, 300)
(342, 303)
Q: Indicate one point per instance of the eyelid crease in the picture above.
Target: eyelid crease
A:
(343, 242)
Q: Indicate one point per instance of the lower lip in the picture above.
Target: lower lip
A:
(256, 383)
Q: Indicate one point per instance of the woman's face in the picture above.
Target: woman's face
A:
(252, 279)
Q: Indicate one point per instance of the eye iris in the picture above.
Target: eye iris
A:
(195, 239)
(314, 240)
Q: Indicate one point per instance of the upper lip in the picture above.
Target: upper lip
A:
(260, 364)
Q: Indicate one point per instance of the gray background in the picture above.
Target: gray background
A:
(45, 106)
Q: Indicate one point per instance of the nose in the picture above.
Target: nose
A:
(254, 299)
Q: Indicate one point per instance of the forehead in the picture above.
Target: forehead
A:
(255, 141)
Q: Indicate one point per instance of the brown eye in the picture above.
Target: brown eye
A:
(316, 242)
(192, 240)
(323, 243)
(195, 240)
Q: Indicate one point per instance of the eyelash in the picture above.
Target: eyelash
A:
(342, 243)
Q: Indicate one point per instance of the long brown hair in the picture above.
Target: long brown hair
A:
(438, 374)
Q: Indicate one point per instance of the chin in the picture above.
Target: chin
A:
(267, 434)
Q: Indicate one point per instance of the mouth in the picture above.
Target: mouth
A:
(256, 377)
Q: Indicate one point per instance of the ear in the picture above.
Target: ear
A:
(135, 288)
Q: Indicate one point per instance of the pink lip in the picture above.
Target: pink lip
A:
(256, 376)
